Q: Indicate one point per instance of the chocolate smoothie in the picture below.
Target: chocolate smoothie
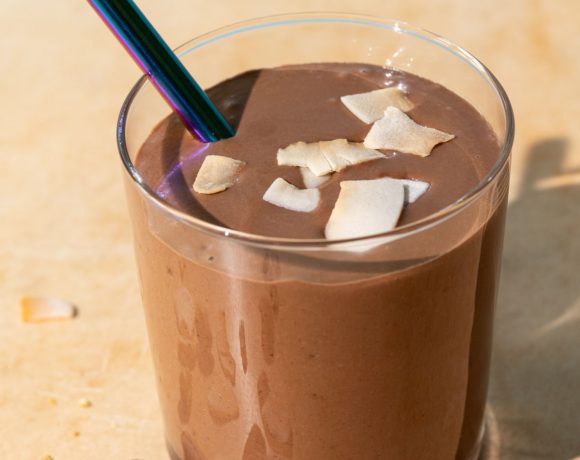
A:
(306, 354)
(274, 108)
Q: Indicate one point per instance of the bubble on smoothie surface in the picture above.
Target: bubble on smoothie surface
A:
(217, 173)
(370, 107)
(396, 131)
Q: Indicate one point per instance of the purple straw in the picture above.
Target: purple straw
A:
(199, 115)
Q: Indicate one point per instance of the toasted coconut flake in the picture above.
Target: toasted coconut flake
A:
(286, 195)
(370, 107)
(318, 163)
(42, 309)
(340, 153)
(296, 154)
(312, 180)
(396, 131)
(304, 155)
(365, 207)
(85, 403)
(325, 157)
(217, 173)
(414, 189)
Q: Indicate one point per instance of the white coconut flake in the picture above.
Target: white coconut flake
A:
(414, 189)
(217, 173)
(286, 195)
(325, 157)
(296, 154)
(396, 131)
(340, 153)
(318, 163)
(311, 180)
(365, 207)
(370, 107)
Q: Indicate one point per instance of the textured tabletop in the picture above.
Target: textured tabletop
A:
(64, 229)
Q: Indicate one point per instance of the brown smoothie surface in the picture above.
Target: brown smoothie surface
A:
(273, 108)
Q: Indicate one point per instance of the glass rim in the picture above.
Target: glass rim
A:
(326, 17)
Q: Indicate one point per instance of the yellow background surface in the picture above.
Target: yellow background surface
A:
(64, 229)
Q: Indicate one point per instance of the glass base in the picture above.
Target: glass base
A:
(480, 451)
(489, 444)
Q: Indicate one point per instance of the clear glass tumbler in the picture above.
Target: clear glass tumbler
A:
(370, 348)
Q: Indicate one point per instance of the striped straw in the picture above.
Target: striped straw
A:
(199, 115)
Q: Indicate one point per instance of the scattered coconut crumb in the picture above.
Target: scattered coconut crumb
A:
(85, 403)
(36, 309)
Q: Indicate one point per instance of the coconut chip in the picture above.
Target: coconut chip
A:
(217, 173)
(287, 196)
(340, 153)
(365, 207)
(370, 107)
(326, 157)
(42, 309)
(311, 180)
(414, 189)
(396, 131)
(85, 403)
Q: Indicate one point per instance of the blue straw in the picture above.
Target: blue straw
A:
(199, 115)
